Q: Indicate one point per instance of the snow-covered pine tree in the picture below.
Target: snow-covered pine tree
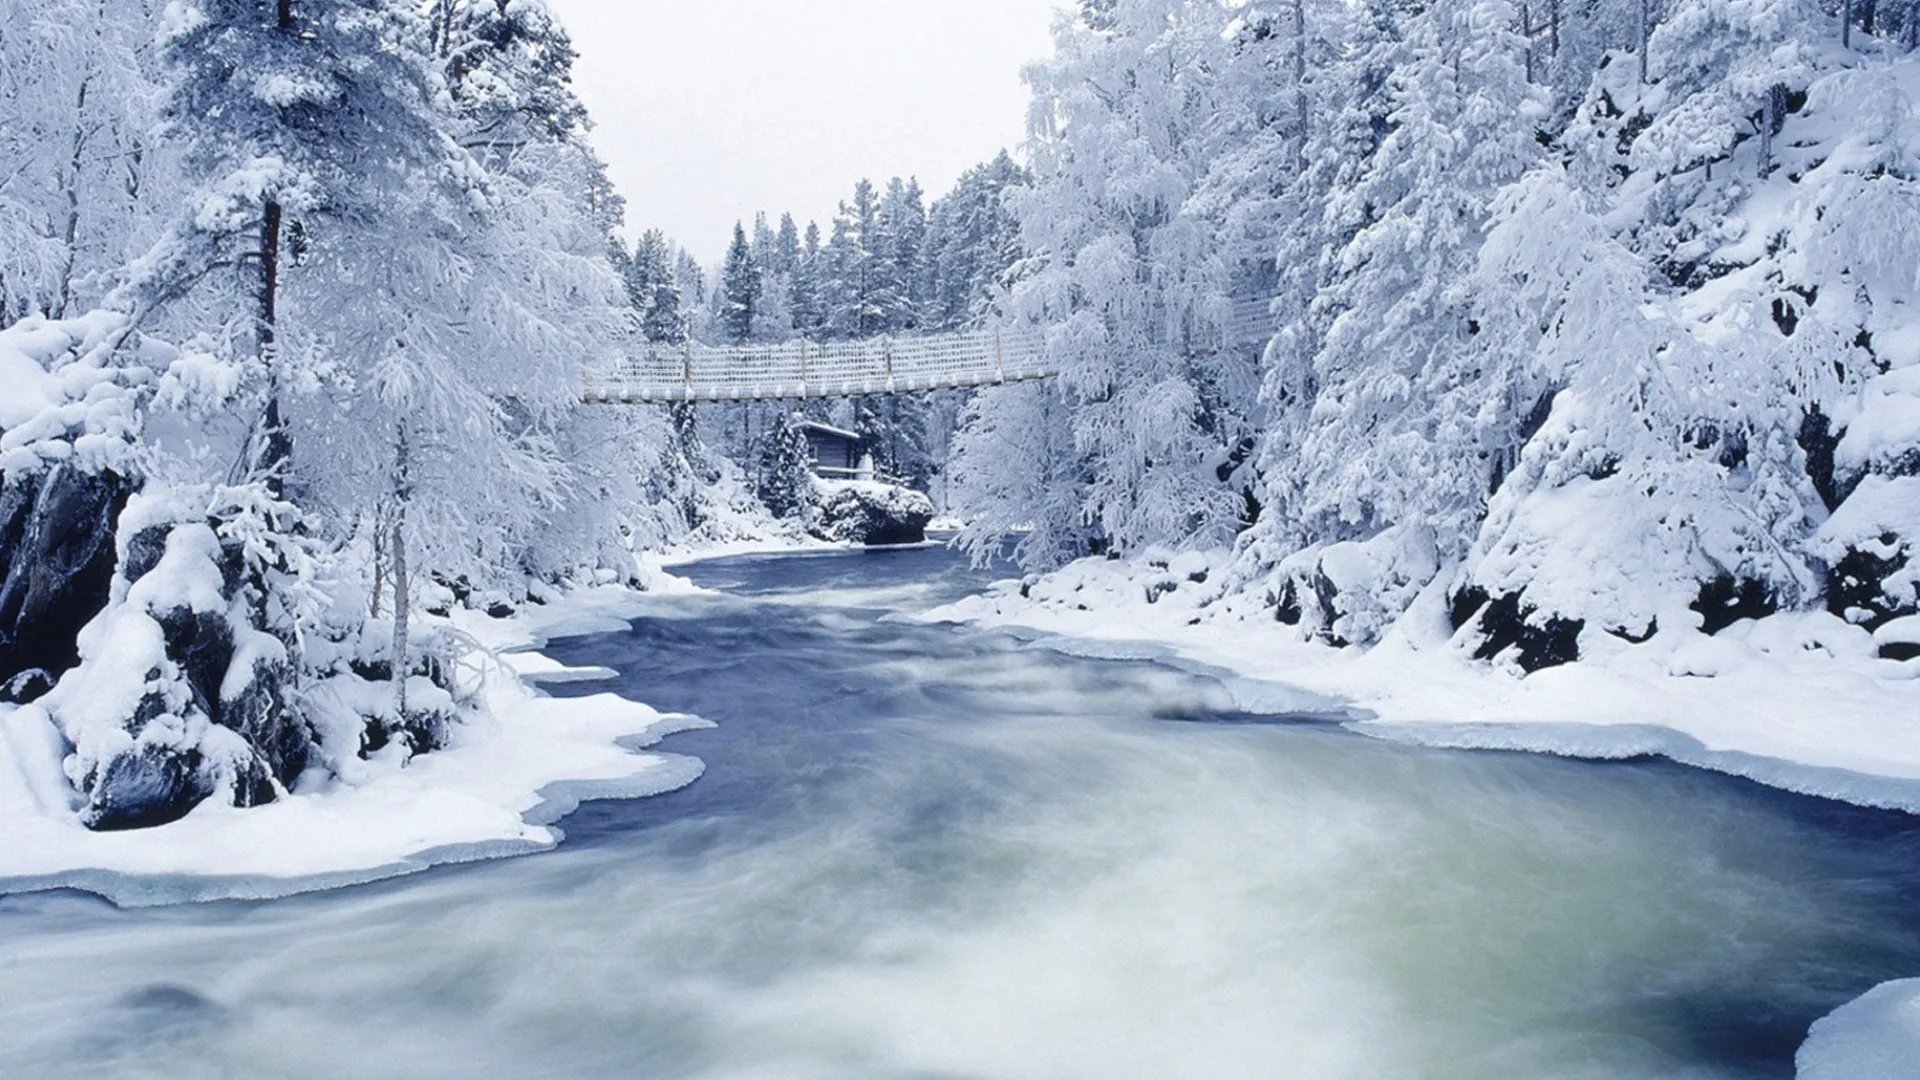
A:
(654, 290)
(901, 232)
(807, 301)
(739, 293)
(783, 471)
(508, 69)
(851, 287)
(973, 240)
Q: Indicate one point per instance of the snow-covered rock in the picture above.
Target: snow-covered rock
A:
(181, 694)
(1349, 593)
(68, 430)
(871, 512)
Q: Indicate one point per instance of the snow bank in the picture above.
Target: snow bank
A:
(1800, 701)
(524, 763)
(1875, 1037)
(62, 398)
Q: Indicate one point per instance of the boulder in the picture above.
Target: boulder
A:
(56, 570)
(872, 513)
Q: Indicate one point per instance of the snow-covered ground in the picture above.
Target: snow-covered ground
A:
(1799, 701)
(754, 545)
(527, 761)
(1874, 1037)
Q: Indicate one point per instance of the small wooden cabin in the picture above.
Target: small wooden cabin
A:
(836, 452)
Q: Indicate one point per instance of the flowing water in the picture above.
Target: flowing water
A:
(922, 852)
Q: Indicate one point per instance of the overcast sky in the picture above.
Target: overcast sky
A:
(709, 110)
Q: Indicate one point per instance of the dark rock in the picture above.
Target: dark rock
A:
(1640, 637)
(1287, 609)
(1726, 600)
(1465, 604)
(1818, 441)
(1505, 622)
(1900, 650)
(500, 610)
(144, 551)
(1857, 584)
(145, 787)
(29, 685)
(56, 568)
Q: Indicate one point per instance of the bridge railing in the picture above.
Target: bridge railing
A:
(802, 369)
(884, 365)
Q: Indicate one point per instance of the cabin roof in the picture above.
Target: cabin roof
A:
(829, 429)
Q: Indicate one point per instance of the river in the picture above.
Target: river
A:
(926, 852)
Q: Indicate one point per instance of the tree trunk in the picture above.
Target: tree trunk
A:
(1300, 81)
(1846, 24)
(1646, 36)
(70, 235)
(402, 587)
(1771, 119)
(379, 564)
(1526, 35)
(276, 446)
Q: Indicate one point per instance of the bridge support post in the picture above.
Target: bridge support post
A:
(999, 358)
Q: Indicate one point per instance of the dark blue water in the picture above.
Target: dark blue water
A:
(922, 851)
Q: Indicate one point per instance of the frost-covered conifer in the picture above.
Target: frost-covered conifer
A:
(1127, 282)
(654, 290)
(739, 293)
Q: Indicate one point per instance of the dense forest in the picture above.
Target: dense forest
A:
(1588, 317)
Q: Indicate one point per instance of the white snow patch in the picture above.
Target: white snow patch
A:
(756, 545)
(1874, 1037)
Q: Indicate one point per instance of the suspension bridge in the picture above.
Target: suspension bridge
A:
(693, 372)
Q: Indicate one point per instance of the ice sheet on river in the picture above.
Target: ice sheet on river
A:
(496, 791)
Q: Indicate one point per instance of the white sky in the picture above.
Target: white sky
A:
(710, 110)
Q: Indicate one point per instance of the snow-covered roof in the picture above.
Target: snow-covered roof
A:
(829, 429)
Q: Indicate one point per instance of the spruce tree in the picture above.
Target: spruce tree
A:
(654, 290)
(807, 303)
(739, 289)
(783, 474)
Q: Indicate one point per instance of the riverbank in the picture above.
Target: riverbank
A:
(519, 762)
(1801, 702)
(1797, 701)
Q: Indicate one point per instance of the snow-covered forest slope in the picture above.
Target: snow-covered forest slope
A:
(293, 299)
(1594, 321)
